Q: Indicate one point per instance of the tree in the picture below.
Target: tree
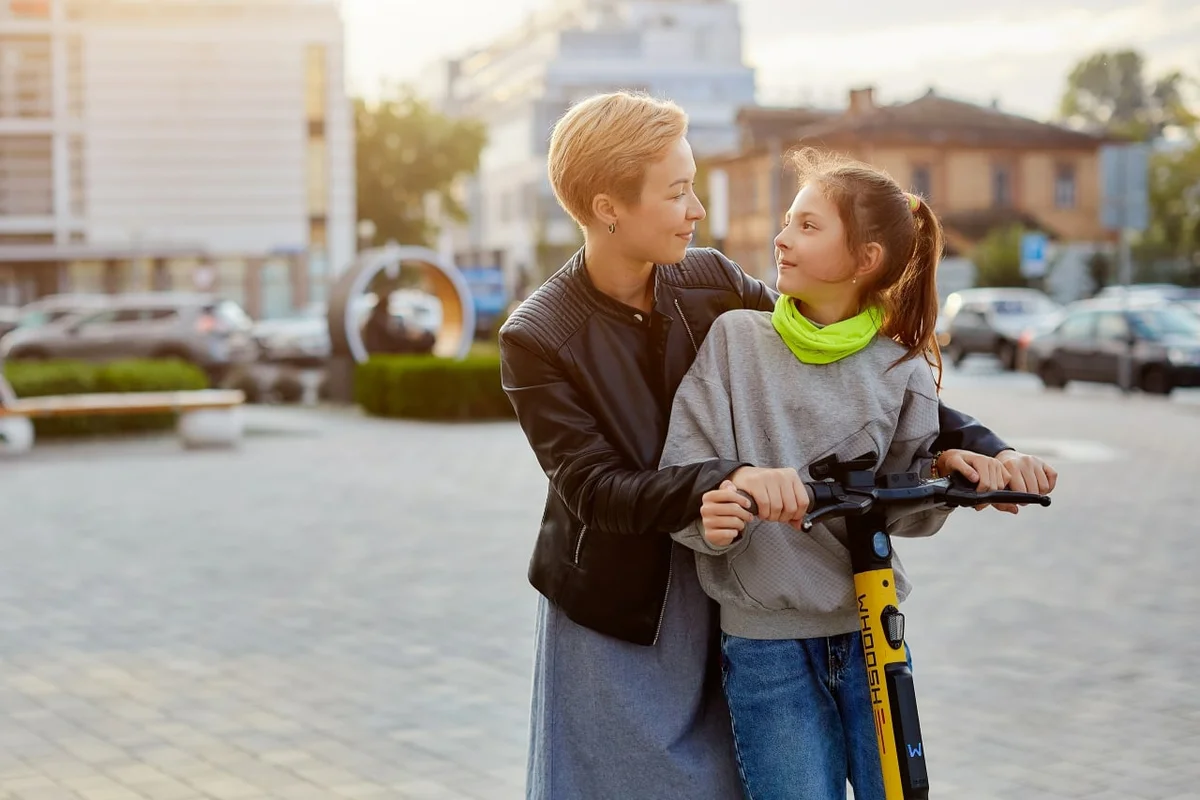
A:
(1173, 238)
(407, 150)
(1109, 92)
(997, 258)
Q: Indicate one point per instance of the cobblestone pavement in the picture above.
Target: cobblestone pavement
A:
(339, 610)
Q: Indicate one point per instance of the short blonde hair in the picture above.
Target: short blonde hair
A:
(603, 145)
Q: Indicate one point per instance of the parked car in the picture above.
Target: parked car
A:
(1161, 339)
(991, 322)
(300, 339)
(57, 306)
(212, 333)
(1144, 291)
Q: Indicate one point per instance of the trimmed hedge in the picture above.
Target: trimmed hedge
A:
(432, 388)
(45, 378)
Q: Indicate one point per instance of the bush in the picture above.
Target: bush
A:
(47, 378)
(432, 388)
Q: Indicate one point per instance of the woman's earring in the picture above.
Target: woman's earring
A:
(612, 227)
(854, 280)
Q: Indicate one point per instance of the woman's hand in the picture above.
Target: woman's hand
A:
(987, 473)
(1026, 474)
(780, 494)
(724, 512)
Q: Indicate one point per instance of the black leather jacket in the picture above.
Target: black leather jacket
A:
(592, 382)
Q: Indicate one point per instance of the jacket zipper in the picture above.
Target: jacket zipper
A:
(663, 611)
(579, 544)
(686, 326)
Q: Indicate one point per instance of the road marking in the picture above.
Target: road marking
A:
(1080, 451)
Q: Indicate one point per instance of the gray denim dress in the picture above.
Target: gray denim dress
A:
(617, 721)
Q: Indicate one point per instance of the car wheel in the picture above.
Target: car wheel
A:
(1007, 353)
(955, 355)
(1155, 380)
(1052, 375)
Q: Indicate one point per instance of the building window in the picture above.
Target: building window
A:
(26, 176)
(315, 105)
(26, 77)
(75, 157)
(318, 178)
(1002, 190)
(922, 181)
(1064, 186)
(315, 99)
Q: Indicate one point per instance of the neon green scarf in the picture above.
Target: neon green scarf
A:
(815, 345)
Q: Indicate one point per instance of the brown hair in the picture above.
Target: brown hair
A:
(603, 145)
(874, 208)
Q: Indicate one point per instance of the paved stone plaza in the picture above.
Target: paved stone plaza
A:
(339, 610)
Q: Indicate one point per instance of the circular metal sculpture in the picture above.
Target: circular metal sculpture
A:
(457, 329)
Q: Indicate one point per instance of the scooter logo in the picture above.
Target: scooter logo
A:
(916, 752)
(868, 639)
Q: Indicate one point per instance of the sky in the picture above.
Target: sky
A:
(1017, 52)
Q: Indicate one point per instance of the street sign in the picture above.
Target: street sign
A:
(1033, 254)
(1124, 186)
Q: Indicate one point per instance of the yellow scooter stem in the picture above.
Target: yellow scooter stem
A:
(889, 678)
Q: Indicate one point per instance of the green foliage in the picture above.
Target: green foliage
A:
(432, 388)
(1109, 91)
(406, 150)
(997, 258)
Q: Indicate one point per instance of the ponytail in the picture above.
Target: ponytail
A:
(911, 304)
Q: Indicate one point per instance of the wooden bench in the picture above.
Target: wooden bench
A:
(207, 417)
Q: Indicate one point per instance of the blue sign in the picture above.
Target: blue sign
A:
(487, 289)
(1033, 254)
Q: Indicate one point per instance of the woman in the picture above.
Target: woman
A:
(626, 696)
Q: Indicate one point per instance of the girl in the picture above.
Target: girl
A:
(841, 365)
(624, 704)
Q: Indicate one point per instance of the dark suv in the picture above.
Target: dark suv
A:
(212, 333)
(1161, 339)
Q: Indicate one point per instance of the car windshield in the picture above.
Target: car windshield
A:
(1159, 323)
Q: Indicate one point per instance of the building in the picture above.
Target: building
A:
(175, 144)
(520, 84)
(979, 167)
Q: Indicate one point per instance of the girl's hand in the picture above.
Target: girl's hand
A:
(779, 493)
(724, 512)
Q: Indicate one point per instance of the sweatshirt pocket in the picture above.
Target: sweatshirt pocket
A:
(786, 569)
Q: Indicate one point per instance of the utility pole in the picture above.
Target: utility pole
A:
(1125, 209)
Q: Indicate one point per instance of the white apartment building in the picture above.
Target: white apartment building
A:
(174, 144)
(687, 50)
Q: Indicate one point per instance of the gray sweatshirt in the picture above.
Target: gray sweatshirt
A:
(747, 397)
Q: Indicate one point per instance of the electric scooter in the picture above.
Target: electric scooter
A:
(852, 490)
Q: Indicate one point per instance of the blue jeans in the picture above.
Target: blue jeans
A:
(802, 720)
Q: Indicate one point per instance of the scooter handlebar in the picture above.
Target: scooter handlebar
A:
(830, 498)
